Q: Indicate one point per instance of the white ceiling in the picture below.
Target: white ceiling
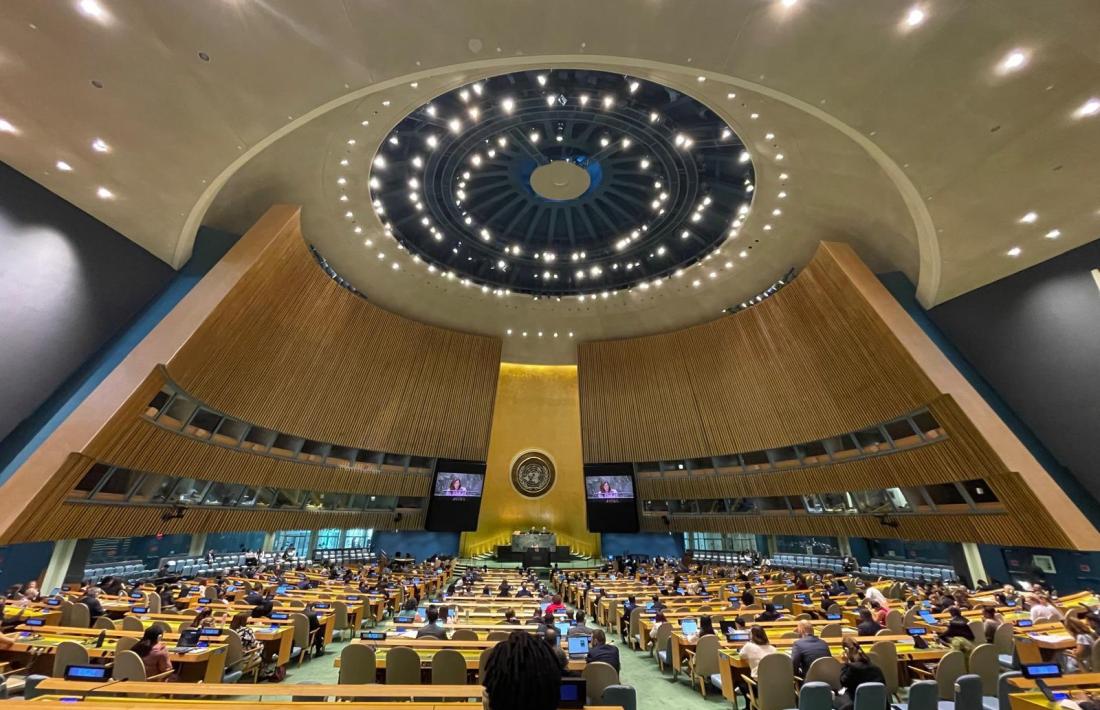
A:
(906, 142)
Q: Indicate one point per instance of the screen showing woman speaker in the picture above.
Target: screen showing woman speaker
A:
(456, 495)
(609, 498)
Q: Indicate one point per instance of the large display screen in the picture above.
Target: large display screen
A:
(456, 496)
(609, 498)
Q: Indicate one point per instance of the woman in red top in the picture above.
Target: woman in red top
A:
(555, 605)
(153, 653)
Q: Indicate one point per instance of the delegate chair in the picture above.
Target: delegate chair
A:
(977, 627)
(68, 653)
(895, 622)
(129, 666)
(704, 664)
(132, 623)
(79, 616)
(831, 631)
(870, 696)
(825, 670)
(448, 667)
(951, 666)
(983, 663)
(1005, 689)
(660, 642)
(497, 636)
(481, 661)
(237, 662)
(1002, 641)
(464, 635)
(402, 666)
(303, 637)
(925, 695)
(968, 694)
(125, 644)
(357, 665)
(598, 676)
(340, 625)
(773, 687)
(104, 623)
(622, 696)
(885, 655)
(635, 635)
(815, 695)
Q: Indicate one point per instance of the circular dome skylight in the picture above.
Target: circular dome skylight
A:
(561, 182)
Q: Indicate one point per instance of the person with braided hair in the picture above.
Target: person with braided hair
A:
(522, 673)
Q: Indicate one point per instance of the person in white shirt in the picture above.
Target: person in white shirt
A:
(874, 594)
(1043, 610)
(757, 647)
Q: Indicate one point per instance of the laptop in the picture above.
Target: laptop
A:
(578, 646)
(649, 606)
(563, 628)
(87, 673)
(927, 616)
(574, 693)
(689, 626)
(189, 639)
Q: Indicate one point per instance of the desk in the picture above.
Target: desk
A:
(525, 541)
(426, 649)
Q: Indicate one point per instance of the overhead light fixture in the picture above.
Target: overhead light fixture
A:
(608, 101)
(1029, 218)
(379, 161)
(645, 164)
(914, 17)
(464, 95)
(744, 157)
(455, 125)
(432, 141)
(100, 146)
(64, 167)
(1013, 61)
(583, 99)
(1014, 251)
(92, 9)
(1089, 108)
(542, 79)
(1053, 234)
(634, 86)
(477, 88)
(6, 127)
(474, 112)
(508, 104)
(551, 99)
(104, 194)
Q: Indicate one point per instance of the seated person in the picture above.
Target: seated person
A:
(602, 651)
(521, 673)
(91, 600)
(249, 643)
(510, 617)
(555, 605)
(769, 613)
(433, 628)
(991, 621)
(856, 671)
(756, 648)
(579, 629)
(807, 649)
(1043, 610)
(867, 625)
(957, 627)
(554, 642)
(523, 592)
(153, 653)
(879, 612)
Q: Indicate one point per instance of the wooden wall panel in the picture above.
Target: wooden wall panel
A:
(810, 362)
(292, 350)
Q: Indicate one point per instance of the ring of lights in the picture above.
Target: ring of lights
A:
(459, 182)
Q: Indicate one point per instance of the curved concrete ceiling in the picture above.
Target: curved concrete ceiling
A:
(922, 144)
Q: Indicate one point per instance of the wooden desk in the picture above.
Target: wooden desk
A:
(1074, 680)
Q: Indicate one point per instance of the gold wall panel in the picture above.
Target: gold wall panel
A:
(537, 407)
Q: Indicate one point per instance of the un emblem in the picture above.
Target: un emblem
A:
(532, 474)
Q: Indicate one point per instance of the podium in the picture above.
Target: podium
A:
(536, 557)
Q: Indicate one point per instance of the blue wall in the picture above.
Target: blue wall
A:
(210, 246)
(21, 563)
(653, 544)
(419, 544)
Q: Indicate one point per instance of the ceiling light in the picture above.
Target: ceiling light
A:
(679, 140)
(64, 167)
(485, 234)
(645, 164)
(417, 162)
(475, 159)
(700, 79)
(634, 86)
(432, 141)
(914, 17)
(1089, 108)
(395, 266)
(626, 143)
(1053, 234)
(767, 228)
(779, 156)
(379, 161)
(100, 146)
(374, 183)
(534, 137)
(783, 176)
(744, 254)
(501, 264)
(341, 181)
(559, 138)
(94, 10)
(570, 334)
(474, 112)
(608, 101)
(776, 212)
(1014, 251)
(455, 125)
(1029, 218)
(726, 133)
(393, 140)
(386, 102)
(696, 283)
(508, 104)
(605, 141)
(542, 79)
(685, 234)
(653, 116)
(502, 141)
(551, 99)
(104, 194)
(477, 88)
(583, 99)
(744, 157)
(769, 136)
(343, 198)
(1013, 61)
(351, 141)
(6, 127)
(788, 3)
(430, 109)
(464, 95)
(782, 195)
(754, 116)
(509, 331)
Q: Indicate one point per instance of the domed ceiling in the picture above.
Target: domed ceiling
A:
(955, 141)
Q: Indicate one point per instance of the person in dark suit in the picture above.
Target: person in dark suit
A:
(91, 600)
(856, 671)
(432, 629)
(554, 642)
(504, 588)
(523, 591)
(807, 649)
(624, 618)
(867, 625)
(602, 651)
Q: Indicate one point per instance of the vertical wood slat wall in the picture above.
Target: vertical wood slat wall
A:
(292, 350)
(810, 362)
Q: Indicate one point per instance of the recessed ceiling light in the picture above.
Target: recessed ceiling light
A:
(700, 79)
(379, 161)
(782, 195)
(6, 127)
(104, 194)
(645, 164)
(508, 104)
(386, 102)
(608, 101)
(64, 167)
(1089, 108)
(583, 99)
(788, 3)
(779, 156)
(1053, 234)
(783, 176)
(474, 112)
(754, 116)
(696, 283)
(542, 79)
(1029, 218)
(1014, 251)
(744, 157)
(455, 125)
(1013, 61)
(351, 141)
(432, 141)
(634, 86)
(100, 146)
(534, 137)
(914, 17)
